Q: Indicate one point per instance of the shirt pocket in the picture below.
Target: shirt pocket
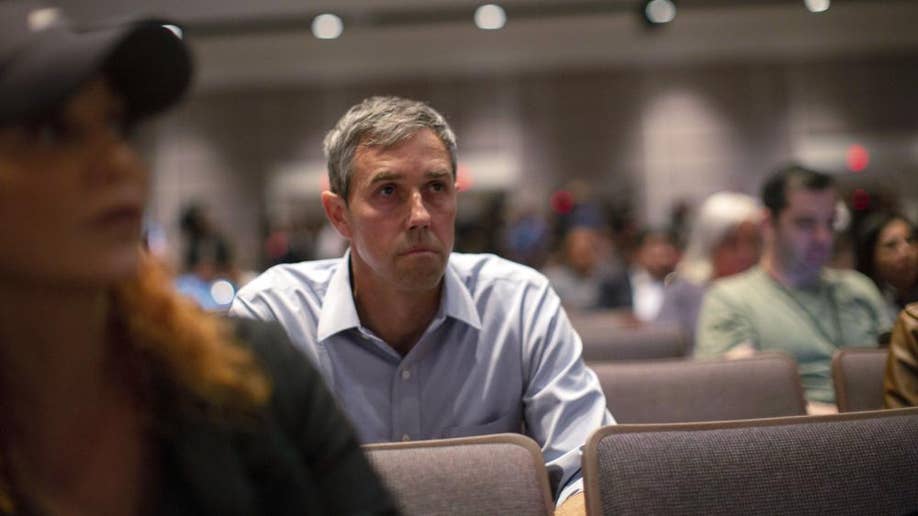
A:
(511, 422)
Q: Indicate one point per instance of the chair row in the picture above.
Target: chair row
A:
(855, 463)
(606, 337)
(765, 385)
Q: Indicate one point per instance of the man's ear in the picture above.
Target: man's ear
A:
(768, 224)
(336, 212)
(768, 219)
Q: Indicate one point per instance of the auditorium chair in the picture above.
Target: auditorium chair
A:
(857, 374)
(490, 474)
(671, 391)
(606, 337)
(855, 463)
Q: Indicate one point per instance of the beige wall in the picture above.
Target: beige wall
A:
(641, 135)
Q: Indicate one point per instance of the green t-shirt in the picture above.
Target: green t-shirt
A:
(810, 324)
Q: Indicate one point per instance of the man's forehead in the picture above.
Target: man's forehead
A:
(421, 146)
(379, 143)
(392, 175)
(808, 195)
(812, 202)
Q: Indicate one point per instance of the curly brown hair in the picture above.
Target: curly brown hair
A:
(190, 352)
(194, 349)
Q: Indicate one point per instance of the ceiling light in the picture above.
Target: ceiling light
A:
(818, 6)
(327, 26)
(658, 12)
(490, 17)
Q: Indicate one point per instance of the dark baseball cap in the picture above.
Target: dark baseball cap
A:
(44, 59)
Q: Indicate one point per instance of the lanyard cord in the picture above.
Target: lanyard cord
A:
(835, 340)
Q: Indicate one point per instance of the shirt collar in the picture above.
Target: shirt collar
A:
(457, 301)
(339, 312)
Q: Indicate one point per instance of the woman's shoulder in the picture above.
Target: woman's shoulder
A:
(290, 373)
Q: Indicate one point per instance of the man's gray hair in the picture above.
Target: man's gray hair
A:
(379, 122)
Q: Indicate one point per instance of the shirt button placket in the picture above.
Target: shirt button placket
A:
(407, 402)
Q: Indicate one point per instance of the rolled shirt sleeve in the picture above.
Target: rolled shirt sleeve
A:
(563, 400)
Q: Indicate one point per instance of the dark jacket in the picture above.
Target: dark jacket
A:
(299, 456)
(901, 384)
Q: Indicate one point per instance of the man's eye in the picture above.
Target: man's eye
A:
(437, 186)
(387, 191)
(805, 224)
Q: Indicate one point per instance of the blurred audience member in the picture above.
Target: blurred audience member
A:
(330, 243)
(791, 302)
(289, 243)
(887, 254)
(525, 238)
(640, 287)
(901, 384)
(582, 269)
(680, 221)
(117, 395)
(210, 277)
(842, 241)
(725, 239)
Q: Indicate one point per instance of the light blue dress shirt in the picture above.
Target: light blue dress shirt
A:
(500, 355)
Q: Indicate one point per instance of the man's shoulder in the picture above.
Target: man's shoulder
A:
(488, 269)
(738, 285)
(849, 279)
(312, 276)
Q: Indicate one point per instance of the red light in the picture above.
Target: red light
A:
(562, 202)
(463, 178)
(860, 199)
(858, 158)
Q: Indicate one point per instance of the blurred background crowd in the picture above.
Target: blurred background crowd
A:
(593, 141)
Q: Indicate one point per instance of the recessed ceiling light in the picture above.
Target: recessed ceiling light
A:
(818, 6)
(659, 11)
(327, 26)
(490, 17)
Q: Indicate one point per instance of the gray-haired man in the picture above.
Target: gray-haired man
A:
(416, 341)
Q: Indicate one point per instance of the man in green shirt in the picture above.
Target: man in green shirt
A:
(790, 301)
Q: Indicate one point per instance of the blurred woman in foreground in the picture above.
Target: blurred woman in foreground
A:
(725, 239)
(116, 395)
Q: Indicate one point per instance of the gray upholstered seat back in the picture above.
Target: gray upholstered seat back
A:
(493, 474)
(605, 337)
(858, 463)
(671, 391)
(858, 377)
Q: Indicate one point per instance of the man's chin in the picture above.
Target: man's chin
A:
(421, 278)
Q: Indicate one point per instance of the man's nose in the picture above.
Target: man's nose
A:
(824, 234)
(418, 216)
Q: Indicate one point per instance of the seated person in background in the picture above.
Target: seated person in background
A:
(725, 239)
(640, 287)
(901, 384)
(419, 342)
(578, 277)
(118, 395)
(208, 262)
(790, 302)
(887, 253)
